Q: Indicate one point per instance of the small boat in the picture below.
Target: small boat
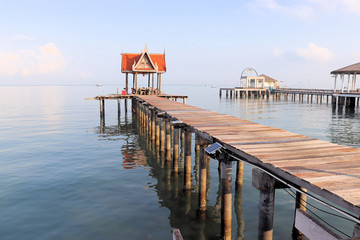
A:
(98, 85)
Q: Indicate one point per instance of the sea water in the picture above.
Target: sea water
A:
(64, 176)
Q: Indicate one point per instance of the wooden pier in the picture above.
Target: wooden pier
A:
(282, 159)
(244, 92)
(349, 99)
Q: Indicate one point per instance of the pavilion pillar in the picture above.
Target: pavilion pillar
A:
(152, 84)
(335, 82)
(348, 86)
(157, 83)
(160, 83)
(342, 82)
(135, 82)
(149, 80)
(127, 83)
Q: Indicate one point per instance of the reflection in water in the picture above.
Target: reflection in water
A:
(344, 127)
(133, 155)
(137, 150)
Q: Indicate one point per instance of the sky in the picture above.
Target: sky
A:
(61, 42)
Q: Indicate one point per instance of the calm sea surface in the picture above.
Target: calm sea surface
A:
(64, 177)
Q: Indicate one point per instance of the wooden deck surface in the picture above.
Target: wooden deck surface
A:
(329, 170)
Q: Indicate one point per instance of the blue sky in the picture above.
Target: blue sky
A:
(80, 42)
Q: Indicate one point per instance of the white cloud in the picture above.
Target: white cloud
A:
(277, 52)
(315, 52)
(43, 60)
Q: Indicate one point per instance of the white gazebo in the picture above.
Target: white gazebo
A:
(351, 72)
(250, 79)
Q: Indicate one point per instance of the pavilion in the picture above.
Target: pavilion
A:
(146, 64)
(351, 71)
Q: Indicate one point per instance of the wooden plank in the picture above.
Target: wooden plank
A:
(323, 168)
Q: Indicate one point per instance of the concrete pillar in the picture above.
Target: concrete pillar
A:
(266, 185)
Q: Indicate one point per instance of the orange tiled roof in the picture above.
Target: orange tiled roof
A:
(129, 58)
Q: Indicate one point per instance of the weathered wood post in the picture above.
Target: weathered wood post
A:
(125, 104)
(119, 108)
(168, 139)
(162, 135)
(157, 130)
(176, 149)
(102, 108)
(153, 123)
(182, 142)
(239, 174)
(226, 196)
(187, 162)
(102, 115)
(239, 213)
(202, 176)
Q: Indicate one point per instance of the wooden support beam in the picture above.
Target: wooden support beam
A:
(119, 108)
(239, 174)
(187, 162)
(226, 197)
(162, 135)
(157, 130)
(176, 149)
(202, 176)
(153, 123)
(168, 139)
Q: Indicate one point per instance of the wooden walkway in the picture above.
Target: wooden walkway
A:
(328, 170)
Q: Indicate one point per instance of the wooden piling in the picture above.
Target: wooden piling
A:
(157, 130)
(239, 174)
(162, 135)
(202, 176)
(119, 108)
(176, 150)
(226, 198)
(168, 139)
(102, 108)
(153, 119)
(187, 162)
